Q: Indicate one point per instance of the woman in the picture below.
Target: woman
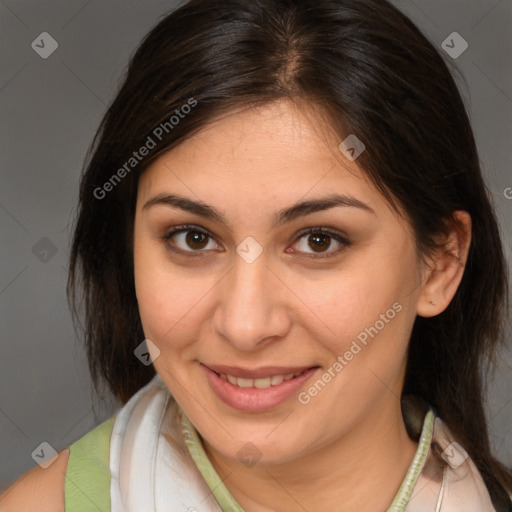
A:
(283, 251)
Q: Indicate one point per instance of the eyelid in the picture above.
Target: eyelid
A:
(330, 232)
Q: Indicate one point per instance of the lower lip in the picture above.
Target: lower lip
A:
(254, 399)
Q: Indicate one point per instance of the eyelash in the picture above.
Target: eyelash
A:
(309, 231)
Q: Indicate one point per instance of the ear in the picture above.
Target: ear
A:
(444, 269)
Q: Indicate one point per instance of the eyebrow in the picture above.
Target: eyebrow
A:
(297, 210)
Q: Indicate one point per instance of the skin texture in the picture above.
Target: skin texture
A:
(290, 307)
(38, 490)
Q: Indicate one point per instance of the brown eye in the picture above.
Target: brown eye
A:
(188, 239)
(196, 240)
(319, 241)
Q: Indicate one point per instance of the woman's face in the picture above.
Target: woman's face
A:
(249, 293)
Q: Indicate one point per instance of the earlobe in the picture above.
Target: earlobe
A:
(446, 268)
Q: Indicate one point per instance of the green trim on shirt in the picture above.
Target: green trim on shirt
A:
(404, 493)
(87, 484)
(195, 447)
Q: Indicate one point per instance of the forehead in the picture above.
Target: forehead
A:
(270, 155)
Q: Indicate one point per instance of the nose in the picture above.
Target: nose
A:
(252, 308)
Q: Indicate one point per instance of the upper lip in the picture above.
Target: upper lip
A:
(256, 373)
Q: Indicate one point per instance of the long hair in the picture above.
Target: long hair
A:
(372, 72)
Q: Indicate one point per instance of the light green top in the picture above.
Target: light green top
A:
(87, 484)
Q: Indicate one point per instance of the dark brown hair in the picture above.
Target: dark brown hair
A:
(371, 71)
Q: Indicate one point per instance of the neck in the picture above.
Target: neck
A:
(374, 455)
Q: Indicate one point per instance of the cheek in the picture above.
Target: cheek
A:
(367, 310)
(169, 297)
(355, 299)
(158, 300)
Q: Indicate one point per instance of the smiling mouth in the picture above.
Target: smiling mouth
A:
(261, 383)
(258, 389)
(262, 378)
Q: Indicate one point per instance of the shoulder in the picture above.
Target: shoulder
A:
(86, 462)
(38, 490)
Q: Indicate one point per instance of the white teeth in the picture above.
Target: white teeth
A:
(276, 379)
(245, 383)
(262, 383)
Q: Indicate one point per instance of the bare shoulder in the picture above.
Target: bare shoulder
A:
(39, 489)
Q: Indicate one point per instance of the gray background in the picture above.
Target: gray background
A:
(50, 109)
